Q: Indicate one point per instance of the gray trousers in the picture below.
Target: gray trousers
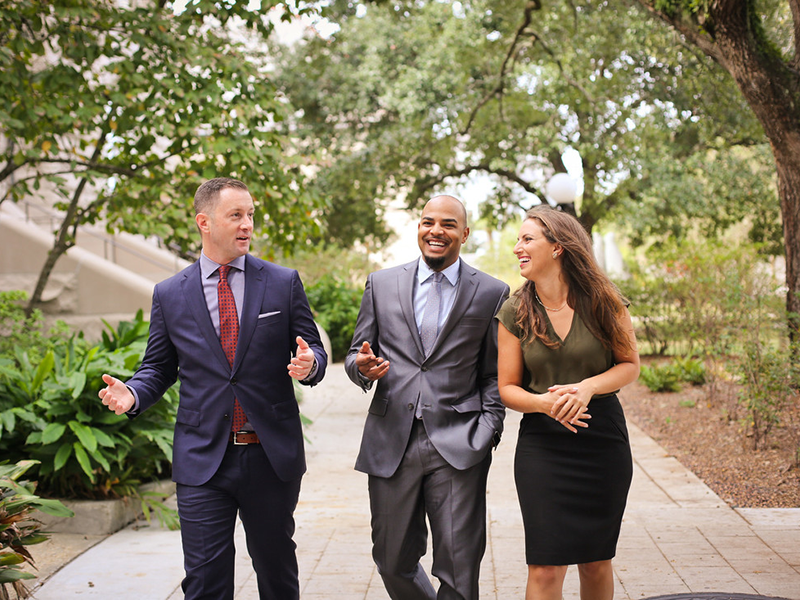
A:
(455, 503)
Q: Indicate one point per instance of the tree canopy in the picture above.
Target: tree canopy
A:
(124, 109)
(429, 94)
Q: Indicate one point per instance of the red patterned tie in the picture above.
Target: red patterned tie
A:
(229, 335)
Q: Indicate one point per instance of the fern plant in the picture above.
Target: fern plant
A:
(661, 378)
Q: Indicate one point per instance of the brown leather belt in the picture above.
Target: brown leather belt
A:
(241, 438)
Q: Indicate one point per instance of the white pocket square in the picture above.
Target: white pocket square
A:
(269, 314)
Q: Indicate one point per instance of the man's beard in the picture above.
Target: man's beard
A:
(434, 262)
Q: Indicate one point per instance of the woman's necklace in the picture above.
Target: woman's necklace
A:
(535, 293)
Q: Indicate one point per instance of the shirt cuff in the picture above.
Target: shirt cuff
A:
(366, 382)
(135, 408)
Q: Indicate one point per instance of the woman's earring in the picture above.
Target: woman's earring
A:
(555, 255)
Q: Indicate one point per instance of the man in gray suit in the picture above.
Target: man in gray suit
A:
(426, 333)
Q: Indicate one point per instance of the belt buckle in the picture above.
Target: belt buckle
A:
(236, 441)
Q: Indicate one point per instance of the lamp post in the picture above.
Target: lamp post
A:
(563, 190)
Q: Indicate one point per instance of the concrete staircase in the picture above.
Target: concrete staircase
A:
(103, 277)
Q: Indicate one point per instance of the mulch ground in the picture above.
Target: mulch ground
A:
(706, 430)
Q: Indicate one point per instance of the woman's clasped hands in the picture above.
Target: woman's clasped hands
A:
(570, 406)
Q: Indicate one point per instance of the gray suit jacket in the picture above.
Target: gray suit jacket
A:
(456, 384)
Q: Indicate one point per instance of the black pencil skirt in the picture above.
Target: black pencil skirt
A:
(573, 487)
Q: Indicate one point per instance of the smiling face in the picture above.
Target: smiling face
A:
(441, 231)
(227, 226)
(533, 250)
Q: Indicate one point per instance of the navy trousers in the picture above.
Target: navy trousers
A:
(245, 483)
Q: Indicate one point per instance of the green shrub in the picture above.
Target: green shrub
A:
(19, 331)
(769, 379)
(652, 308)
(49, 411)
(668, 377)
(661, 378)
(18, 528)
(335, 304)
(695, 298)
(690, 369)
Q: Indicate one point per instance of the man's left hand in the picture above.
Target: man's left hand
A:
(303, 360)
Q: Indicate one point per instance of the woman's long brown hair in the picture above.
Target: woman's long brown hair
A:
(591, 293)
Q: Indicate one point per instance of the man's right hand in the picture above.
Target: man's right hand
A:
(370, 366)
(116, 395)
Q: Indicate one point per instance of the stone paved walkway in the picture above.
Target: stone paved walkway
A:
(677, 537)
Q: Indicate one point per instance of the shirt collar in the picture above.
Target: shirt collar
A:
(208, 267)
(451, 273)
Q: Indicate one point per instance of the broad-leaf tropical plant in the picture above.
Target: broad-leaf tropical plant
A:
(50, 412)
(19, 527)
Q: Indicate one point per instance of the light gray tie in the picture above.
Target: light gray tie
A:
(430, 318)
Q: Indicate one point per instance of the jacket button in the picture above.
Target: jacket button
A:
(424, 368)
(410, 406)
(226, 417)
(233, 381)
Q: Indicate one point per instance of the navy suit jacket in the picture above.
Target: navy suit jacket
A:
(183, 344)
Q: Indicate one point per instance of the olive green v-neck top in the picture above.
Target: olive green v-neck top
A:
(580, 354)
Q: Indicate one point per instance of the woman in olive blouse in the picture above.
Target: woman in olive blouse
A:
(566, 346)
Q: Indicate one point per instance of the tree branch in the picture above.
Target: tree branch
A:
(423, 185)
(691, 28)
(566, 76)
(105, 168)
(498, 89)
(795, 7)
(10, 168)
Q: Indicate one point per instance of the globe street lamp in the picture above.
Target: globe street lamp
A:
(563, 190)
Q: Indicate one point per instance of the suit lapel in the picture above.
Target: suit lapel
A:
(467, 286)
(405, 292)
(255, 284)
(192, 286)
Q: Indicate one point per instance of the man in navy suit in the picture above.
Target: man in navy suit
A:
(253, 468)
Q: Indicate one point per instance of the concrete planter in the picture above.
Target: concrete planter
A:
(101, 517)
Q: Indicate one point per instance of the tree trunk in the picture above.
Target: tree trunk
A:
(789, 192)
(728, 33)
(64, 241)
(773, 92)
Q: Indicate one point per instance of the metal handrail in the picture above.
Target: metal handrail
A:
(110, 245)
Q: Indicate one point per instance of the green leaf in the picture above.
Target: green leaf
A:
(11, 575)
(7, 420)
(53, 432)
(43, 370)
(78, 382)
(36, 538)
(98, 456)
(11, 559)
(53, 507)
(63, 454)
(102, 438)
(83, 460)
(85, 435)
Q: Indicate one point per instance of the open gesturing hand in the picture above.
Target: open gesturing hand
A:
(370, 366)
(303, 360)
(116, 395)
